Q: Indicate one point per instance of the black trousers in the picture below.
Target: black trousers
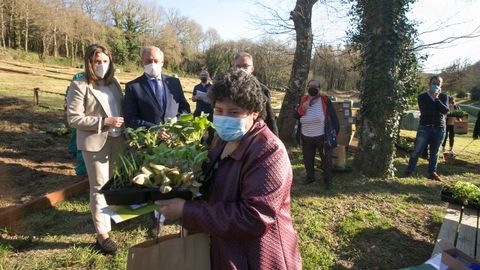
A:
(451, 137)
(309, 147)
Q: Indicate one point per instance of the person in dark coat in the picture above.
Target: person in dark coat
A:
(200, 97)
(153, 97)
(313, 112)
(476, 130)
(244, 61)
(450, 132)
(433, 105)
(248, 209)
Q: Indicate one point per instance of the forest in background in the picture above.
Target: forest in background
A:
(64, 28)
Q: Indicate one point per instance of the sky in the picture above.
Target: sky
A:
(453, 17)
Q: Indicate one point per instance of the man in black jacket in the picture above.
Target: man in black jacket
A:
(244, 61)
(433, 107)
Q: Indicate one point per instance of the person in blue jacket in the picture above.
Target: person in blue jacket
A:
(433, 105)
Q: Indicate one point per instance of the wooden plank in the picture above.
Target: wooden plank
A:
(448, 231)
(467, 233)
(11, 215)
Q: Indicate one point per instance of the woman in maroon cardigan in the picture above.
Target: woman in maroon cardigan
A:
(247, 212)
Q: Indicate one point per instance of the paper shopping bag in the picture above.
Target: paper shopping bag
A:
(171, 252)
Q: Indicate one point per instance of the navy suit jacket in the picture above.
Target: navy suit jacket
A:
(142, 109)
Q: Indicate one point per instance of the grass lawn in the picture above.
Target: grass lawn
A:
(362, 223)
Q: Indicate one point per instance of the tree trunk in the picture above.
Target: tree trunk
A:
(10, 31)
(2, 26)
(55, 44)
(26, 30)
(302, 19)
(45, 44)
(66, 46)
(385, 42)
(17, 29)
(74, 52)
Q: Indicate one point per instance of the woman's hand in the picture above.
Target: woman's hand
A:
(163, 134)
(171, 209)
(115, 122)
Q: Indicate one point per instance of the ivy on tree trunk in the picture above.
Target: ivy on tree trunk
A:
(302, 19)
(385, 39)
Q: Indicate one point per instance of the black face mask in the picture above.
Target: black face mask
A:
(203, 80)
(313, 91)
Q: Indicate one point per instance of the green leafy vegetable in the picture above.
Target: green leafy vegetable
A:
(174, 163)
(457, 113)
(465, 191)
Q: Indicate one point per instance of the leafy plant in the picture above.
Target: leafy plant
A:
(165, 164)
(464, 191)
(457, 113)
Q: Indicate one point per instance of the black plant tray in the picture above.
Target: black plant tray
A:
(137, 194)
(447, 196)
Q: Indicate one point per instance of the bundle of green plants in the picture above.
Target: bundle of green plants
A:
(457, 113)
(166, 164)
(464, 191)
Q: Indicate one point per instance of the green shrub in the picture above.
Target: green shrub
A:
(475, 93)
(465, 191)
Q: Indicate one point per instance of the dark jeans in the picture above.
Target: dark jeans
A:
(451, 137)
(433, 136)
(309, 147)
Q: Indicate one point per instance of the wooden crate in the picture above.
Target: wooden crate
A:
(460, 127)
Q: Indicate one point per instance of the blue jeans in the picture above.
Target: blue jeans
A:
(433, 136)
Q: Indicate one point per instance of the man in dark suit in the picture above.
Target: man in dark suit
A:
(153, 97)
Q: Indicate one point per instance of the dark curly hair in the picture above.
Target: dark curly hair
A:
(240, 88)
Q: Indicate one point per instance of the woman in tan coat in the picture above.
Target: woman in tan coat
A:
(94, 108)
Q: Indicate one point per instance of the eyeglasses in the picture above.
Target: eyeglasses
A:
(245, 66)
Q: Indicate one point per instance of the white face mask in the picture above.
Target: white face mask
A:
(101, 70)
(153, 70)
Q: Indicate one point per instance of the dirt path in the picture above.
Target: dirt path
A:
(32, 161)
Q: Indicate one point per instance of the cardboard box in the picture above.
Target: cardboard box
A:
(352, 120)
(344, 139)
(460, 127)
(355, 112)
(347, 104)
(346, 129)
(456, 259)
(352, 147)
(451, 120)
(339, 157)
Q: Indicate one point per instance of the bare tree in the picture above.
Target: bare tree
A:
(210, 38)
(302, 19)
(2, 24)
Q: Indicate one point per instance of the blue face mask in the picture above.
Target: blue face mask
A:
(435, 88)
(229, 128)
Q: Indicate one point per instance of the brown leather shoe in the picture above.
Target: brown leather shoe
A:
(108, 246)
(435, 176)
